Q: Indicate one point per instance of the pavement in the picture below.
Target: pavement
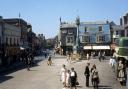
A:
(43, 76)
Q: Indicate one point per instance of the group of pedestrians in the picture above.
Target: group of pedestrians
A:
(93, 72)
(68, 77)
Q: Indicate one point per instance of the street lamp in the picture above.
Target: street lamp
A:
(77, 38)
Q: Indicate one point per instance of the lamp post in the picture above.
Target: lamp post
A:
(77, 37)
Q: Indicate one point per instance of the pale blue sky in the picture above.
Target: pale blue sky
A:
(44, 14)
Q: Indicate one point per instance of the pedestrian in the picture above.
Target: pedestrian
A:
(87, 74)
(121, 74)
(99, 55)
(27, 58)
(68, 80)
(127, 75)
(45, 54)
(87, 56)
(73, 78)
(103, 55)
(49, 62)
(95, 77)
(63, 75)
(69, 57)
(92, 73)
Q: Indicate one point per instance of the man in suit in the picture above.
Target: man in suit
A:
(87, 74)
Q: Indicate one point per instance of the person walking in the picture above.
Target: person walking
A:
(73, 78)
(95, 77)
(87, 74)
(49, 62)
(63, 75)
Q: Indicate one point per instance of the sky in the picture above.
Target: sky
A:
(44, 15)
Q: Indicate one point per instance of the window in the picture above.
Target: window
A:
(86, 39)
(117, 32)
(64, 31)
(70, 31)
(122, 33)
(125, 43)
(10, 41)
(14, 42)
(101, 39)
(6, 40)
(70, 39)
(85, 30)
(0, 40)
(100, 29)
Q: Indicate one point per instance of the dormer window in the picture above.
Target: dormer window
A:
(85, 29)
(100, 29)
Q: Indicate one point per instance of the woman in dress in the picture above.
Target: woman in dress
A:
(63, 75)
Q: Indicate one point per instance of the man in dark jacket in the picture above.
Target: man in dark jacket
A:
(87, 74)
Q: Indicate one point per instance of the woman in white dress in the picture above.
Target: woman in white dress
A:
(68, 74)
(63, 75)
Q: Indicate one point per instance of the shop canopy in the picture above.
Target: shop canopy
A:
(100, 47)
(87, 47)
(96, 47)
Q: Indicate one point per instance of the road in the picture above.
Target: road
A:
(42, 76)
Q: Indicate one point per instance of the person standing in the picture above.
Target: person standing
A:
(87, 74)
(121, 72)
(127, 75)
(63, 75)
(92, 73)
(68, 74)
(95, 77)
(73, 78)
(87, 56)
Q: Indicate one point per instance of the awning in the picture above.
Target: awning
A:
(87, 47)
(101, 47)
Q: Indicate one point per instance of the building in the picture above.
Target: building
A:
(22, 24)
(1, 21)
(67, 37)
(85, 36)
(10, 39)
(124, 23)
(94, 36)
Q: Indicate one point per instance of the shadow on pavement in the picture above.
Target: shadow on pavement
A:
(5, 78)
(13, 68)
(104, 87)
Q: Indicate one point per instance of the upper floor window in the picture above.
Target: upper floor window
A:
(70, 31)
(10, 41)
(64, 31)
(70, 39)
(86, 39)
(85, 29)
(0, 40)
(6, 40)
(117, 32)
(101, 39)
(100, 29)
